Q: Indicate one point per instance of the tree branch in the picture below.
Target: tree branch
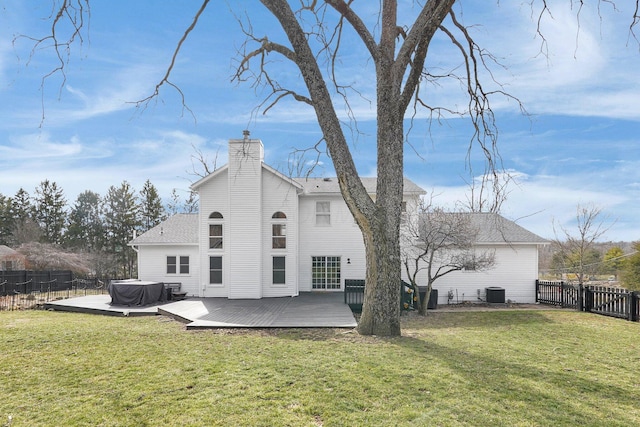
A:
(165, 79)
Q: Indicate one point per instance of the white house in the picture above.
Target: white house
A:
(262, 234)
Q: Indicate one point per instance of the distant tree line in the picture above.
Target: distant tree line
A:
(99, 227)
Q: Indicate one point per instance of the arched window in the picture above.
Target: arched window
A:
(279, 231)
(215, 231)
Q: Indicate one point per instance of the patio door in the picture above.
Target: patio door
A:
(325, 273)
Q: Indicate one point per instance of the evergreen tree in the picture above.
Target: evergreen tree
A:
(50, 212)
(6, 220)
(86, 229)
(121, 218)
(22, 207)
(151, 209)
(25, 227)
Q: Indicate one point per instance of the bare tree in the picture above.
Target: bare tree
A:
(396, 43)
(48, 256)
(438, 243)
(399, 53)
(488, 192)
(574, 247)
(201, 166)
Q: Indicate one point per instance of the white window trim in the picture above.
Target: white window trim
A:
(323, 214)
(279, 222)
(215, 285)
(177, 264)
(220, 223)
(326, 275)
(279, 285)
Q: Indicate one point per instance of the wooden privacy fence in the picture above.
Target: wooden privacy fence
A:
(604, 300)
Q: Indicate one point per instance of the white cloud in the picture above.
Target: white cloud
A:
(40, 146)
(588, 70)
(537, 201)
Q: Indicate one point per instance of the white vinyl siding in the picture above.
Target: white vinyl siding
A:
(244, 222)
(515, 271)
(280, 207)
(213, 197)
(343, 239)
(152, 265)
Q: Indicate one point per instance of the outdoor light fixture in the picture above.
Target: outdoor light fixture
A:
(348, 260)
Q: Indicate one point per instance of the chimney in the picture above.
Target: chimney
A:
(245, 134)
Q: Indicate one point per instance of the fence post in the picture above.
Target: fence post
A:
(587, 298)
(537, 289)
(581, 298)
(633, 306)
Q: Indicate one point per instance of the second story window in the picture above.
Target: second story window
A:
(323, 213)
(215, 236)
(215, 230)
(278, 236)
(278, 231)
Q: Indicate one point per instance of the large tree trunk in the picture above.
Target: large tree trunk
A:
(381, 308)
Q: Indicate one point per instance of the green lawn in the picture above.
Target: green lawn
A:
(501, 368)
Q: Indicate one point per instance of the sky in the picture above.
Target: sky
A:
(577, 144)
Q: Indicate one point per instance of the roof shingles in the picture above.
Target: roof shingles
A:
(177, 229)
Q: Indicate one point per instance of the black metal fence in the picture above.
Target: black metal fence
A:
(24, 289)
(604, 300)
(354, 294)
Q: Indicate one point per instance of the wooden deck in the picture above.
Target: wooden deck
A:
(308, 310)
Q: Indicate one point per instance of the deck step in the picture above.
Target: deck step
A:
(178, 296)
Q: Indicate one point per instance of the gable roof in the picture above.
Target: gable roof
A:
(265, 166)
(208, 178)
(496, 229)
(327, 185)
(177, 229)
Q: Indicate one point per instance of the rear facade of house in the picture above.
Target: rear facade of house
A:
(261, 234)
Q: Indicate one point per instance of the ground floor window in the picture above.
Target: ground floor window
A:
(215, 270)
(279, 270)
(177, 264)
(325, 272)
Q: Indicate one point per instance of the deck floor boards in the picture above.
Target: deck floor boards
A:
(308, 310)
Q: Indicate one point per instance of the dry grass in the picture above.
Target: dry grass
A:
(506, 368)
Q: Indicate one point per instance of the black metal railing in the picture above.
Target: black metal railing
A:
(33, 293)
(604, 300)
